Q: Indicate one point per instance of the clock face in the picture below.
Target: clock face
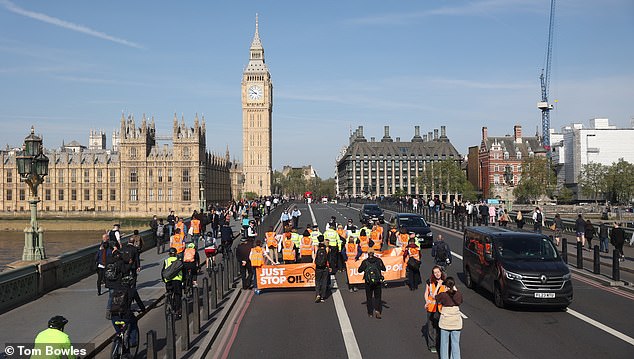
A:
(255, 92)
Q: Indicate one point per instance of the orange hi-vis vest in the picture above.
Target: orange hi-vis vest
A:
(343, 234)
(181, 225)
(306, 246)
(178, 242)
(271, 241)
(430, 302)
(351, 250)
(365, 243)
(376, 238)
(288, 252)
(195, 226)
(190, 255)
(413, 252)
(404, 237)
(256, 257)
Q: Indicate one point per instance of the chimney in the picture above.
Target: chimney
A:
(517, 133)
(485, 133)
(417, 131)
(386, 134)
(398, 139)
(430, 136)
(424, 138)
(435, 133)
(443, 131)
(360, 131)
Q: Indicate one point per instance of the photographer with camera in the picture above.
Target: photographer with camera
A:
(441, 252)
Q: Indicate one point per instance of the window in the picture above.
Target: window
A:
(99, 195)
(185, 175)
(86, 195)
(113, 176)
(9, 176)
(22, 195)
(99, 175)
(186, 152)
(47, 194)
(187, 194)
(496, 179)
(133, 175)
(518, 155)
(73, 175)
(133, 152)
(506, 155)
(73, 195)
(60, 176)
(169, 194)
(160, 175)
(133, 195)
(150, 176)
(113, 194)
(169, 175)
(60, 194)
(86, 176)
(9, 195)
(151, 194)
(160, 194)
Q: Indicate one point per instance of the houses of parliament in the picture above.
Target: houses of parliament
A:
(143, 173)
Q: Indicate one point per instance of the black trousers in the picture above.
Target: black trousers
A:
(100, 278)
(413, 277)
(246, 273)
(321, 281)
(373, 297)
(176, 287)
(333, 258)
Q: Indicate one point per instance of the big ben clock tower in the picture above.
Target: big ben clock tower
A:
(257, 107)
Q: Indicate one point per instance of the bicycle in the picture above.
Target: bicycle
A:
(121, 348)
(188, 285)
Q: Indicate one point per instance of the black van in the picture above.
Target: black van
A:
(517, 267)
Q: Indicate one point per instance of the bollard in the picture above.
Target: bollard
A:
(579, 255)
(151, 345)
(205, 299)
(597, 260)
(616, 271)
(184, 332)
(221, 283)
(213, 290)
(196, 310)
(170, 330)
(564, 250)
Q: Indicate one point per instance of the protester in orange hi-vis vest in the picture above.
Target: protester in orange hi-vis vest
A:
(364, 241)
(195, 225)
(306, 248)
(352, 251)
(412, 258)
(288, 251)
(177, 241)
(180, 224)
(403, 238)
(272, 244)
(256, 257)
(379, 227)
(377, 238)
(435, 285)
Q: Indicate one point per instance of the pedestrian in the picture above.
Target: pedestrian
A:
(251, 232)
(450, 322)
(171, 223)
(603, 237)
(580, 230)
(177, 241)
(519, 220)
(285, 218)
(484, 214)
(504, 218)
(154, 227)
(113, 275)
(101, 259)
(160, 236)
(441, 252)
(372, 268)
(492, 215)
(333, 241)
(538, 219)
(322, 272)
(295, 214)
(617, 238)
(559, 227)
(589, 233)
(136, 240)
(114, 236)
(411, 257)
(243, 251)
(272, 243)
(434, 286)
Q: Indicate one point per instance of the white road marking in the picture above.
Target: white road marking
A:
(602, 326)
(349, 339)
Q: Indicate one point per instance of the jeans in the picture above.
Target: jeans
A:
(604, 244)
(445, 336)
(170, 230)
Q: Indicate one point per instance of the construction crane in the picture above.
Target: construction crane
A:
(544, 78)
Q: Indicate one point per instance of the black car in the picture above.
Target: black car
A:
(371, 211)
(415, 223)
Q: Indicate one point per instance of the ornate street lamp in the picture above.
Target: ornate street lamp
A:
(33, 167)
(201, 180)
(508, 178)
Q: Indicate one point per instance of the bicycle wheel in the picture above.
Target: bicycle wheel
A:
(117, 348)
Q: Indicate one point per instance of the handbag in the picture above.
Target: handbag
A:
(552, 227)
(450, 318)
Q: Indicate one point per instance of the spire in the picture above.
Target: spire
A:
(256, 43)
(256, 52)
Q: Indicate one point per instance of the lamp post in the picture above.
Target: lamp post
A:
(201, 180)
(508, 178)
(32, 167)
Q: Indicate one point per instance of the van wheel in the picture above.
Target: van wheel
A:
(497, 297)
(468, 279)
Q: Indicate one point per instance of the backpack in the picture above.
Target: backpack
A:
(372, 273)
(159, 230)
(112, 272)
(171, 271)
(190, 255)
(539, 218)
(441, 252)
(320, 258)
(119, 301)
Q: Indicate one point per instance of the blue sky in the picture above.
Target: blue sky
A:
(71, 66)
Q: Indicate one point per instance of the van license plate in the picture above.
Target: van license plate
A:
(544, 295)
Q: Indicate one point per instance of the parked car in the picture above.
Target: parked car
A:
(372, 212)
(415, 223)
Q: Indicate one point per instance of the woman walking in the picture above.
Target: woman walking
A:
(589, 233)
(519, 220)
(559, 227)
(450, 322)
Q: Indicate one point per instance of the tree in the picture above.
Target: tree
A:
(565, 195)
(538, 178)
(619, 182)
(592, 179)
(446, 176)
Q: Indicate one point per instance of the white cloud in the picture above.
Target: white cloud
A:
(65, 24)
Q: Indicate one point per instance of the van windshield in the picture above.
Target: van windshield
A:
(526, 248)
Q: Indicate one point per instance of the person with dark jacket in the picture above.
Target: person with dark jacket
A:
(321, 270)
(589, 233)
(130, 256)
(559, 228)
(372, 289)
(580, 230)
(603, 237)
(103, 253)
(226, 235)
(113, 274)
(484, 214)
(243, 250)
(412, 259)
(617, 238)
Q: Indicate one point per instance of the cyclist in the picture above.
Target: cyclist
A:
(191, 262)
(441, 252)
(174, 286)
(53, 336)
(121, 311)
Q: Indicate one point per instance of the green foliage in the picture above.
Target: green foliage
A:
(592, 179)
(250, 195)
(446, 176)
(565, 195)
(295, 184)
(538, 179)
(619, 183)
